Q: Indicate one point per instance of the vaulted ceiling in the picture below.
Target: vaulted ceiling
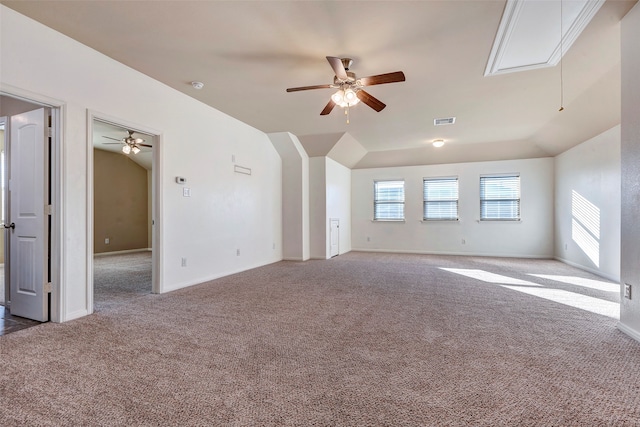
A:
(248, 52)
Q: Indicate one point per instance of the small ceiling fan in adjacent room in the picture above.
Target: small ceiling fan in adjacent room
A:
(131, 144)
(350, 88)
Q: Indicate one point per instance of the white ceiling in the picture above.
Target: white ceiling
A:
(248, 52)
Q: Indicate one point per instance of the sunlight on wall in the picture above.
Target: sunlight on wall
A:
(572, 299)
(485, 276)
(585, 226)
(580, 281)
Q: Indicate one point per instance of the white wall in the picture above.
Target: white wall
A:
(530, 237)
(338, 197)
(587, 205)
(227, 211)
(295, 195)
(330, 198)
(318, 207)
(630, 153)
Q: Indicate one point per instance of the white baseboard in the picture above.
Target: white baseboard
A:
(127, 251)
(406, 251)
(201, 280)
(75, 315)
(629, 331)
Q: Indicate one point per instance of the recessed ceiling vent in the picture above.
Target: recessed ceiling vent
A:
(444, 121)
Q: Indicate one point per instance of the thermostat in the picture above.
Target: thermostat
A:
(181, 180)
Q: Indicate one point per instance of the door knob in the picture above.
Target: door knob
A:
(12, 225)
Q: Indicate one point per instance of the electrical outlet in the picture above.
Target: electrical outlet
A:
(627, 291)
(184, 262)
(106, 240)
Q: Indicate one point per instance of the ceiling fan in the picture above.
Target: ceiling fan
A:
(350, 88)
(131, 144)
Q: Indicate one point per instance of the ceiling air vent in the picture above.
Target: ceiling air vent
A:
(444, 121)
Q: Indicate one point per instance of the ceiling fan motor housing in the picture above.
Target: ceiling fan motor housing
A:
(346, 63)
(351, 78)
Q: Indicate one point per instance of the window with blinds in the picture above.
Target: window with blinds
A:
(388, 201)
(500, 197)
(440, 199)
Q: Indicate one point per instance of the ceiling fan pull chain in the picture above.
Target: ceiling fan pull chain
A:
(346, 111)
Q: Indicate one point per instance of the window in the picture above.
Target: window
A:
(500, 197)
(440, 199)
(388, 201)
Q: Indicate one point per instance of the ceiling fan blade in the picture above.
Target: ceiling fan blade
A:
(338, 68)
(108, 137)
(145, 145)
(371, 101)
(397, 76)
(112, 143)
(296, 89)
(328, 108)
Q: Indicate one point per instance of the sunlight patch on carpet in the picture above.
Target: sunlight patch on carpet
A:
(485, 276)
(581, 281)
(572, 299)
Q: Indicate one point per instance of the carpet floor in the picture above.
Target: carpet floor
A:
(119, 278)
(364, 339)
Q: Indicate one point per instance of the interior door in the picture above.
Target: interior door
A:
(28, 217)
(334, 232)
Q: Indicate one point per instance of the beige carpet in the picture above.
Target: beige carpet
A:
(119, 278)
(358, 340)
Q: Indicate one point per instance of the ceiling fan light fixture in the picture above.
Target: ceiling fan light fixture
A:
(345, 98)
(135, 150)
(126, 149)
(338, 97)
(438, 143)
(350, 96)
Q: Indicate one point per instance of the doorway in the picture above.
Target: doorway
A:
(334, 237)
(29, 198)
(4, 291)
(124, 204)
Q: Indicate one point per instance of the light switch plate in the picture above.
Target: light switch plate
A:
(627, 291)
(186, 192)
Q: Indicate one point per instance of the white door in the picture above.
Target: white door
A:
(28, 218)
(334, 232)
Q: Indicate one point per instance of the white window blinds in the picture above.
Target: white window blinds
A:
(388, 201)
(440, 199)
(500, 197)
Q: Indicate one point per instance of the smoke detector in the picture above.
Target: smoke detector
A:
(197, 85)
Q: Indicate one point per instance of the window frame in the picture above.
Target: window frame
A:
(439, 201)
(518, 200)
(377, 202)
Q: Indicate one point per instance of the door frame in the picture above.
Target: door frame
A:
(58, 113)
(156, 186)
(5, 204)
